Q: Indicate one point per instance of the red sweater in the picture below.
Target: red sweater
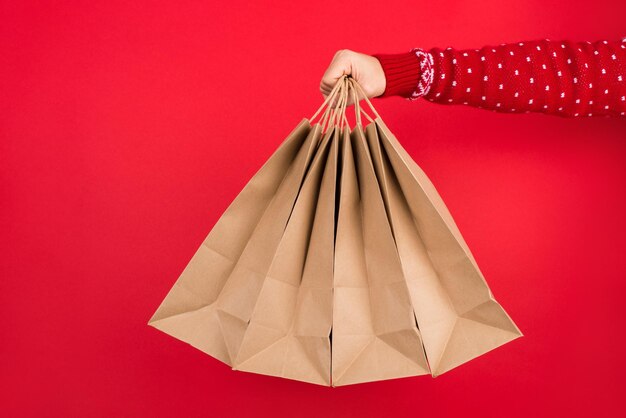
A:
(562, 78)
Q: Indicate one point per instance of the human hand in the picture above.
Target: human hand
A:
(364, 69)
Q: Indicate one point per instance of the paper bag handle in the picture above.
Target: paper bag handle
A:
(333, 116)
(330, 112)
(369, 103)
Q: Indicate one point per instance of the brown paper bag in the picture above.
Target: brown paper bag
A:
(374, 330)
(337, 264)
(456, 313)
(226, 269)
(289, 330)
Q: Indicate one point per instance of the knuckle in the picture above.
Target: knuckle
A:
(343, 53)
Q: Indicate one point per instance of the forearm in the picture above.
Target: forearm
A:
(562, 78)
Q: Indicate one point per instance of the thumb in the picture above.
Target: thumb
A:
(340, 65)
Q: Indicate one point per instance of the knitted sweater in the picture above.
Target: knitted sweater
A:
(562, 78)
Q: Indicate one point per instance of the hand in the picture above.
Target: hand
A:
(365, 69)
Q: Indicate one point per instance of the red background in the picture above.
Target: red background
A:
(128, 127)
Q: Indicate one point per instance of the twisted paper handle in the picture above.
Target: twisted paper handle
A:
(336, 103)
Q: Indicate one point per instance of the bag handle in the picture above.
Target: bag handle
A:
(343, 104)
(360, 89)
(333, 105)
(336, 103)
(335, 115)
(330, 96)
(329, 115)
(357, 103)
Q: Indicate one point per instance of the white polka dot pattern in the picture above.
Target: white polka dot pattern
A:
(562, 78)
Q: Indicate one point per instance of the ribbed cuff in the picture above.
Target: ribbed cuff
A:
(402, 72)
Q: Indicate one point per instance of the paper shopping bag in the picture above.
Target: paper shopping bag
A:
(375, 336)
(456, 313)
(337, 264)
(208, 306)
(289, 331)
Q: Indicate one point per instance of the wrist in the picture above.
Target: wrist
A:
(407, 74)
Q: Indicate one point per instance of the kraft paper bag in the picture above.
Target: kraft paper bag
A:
(457, 315)
(375, 336)
(337, 264)
(208, 305)
(289, 331)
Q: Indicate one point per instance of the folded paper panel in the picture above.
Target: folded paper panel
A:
(457, 315)
(239, 295)
(352, 323)
(294, 304)
(353, 329)
(189, 312)
(200, 282)
(388, 345)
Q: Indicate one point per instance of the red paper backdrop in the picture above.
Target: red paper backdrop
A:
(128, 127)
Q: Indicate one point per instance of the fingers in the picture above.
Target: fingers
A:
(364, 69)
(340, 65)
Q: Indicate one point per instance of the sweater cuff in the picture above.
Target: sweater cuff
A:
(402, 73)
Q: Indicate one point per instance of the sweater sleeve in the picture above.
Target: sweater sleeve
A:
(562, 78)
